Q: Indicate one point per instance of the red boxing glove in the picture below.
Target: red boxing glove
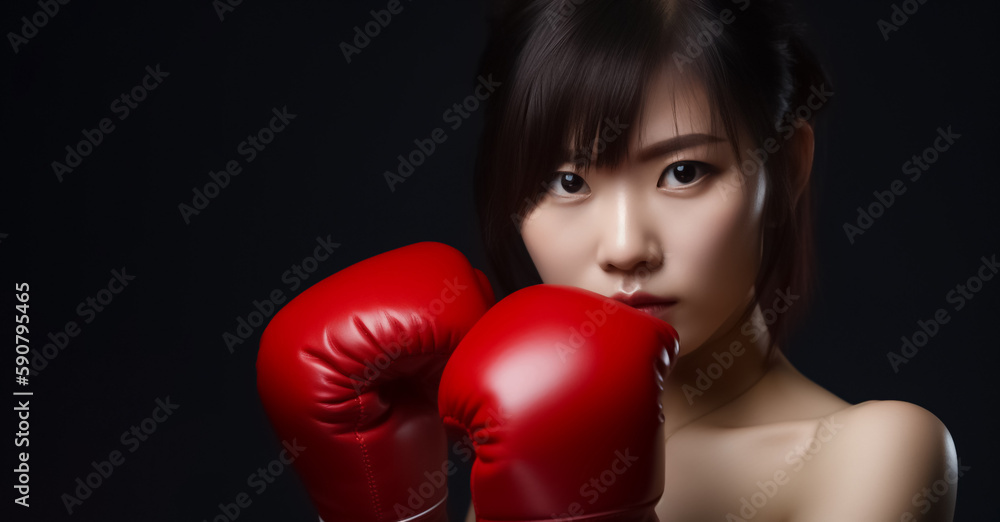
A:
(559, 388)
(350, 370)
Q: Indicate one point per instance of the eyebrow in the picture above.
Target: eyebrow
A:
(669, 146)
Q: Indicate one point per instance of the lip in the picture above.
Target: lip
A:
(644, 302)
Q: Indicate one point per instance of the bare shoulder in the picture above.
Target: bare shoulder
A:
(903, 421)
(886, 430)
(893, 415)
(882, 460)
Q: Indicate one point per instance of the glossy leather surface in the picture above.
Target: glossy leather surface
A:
(560, 388)
(350, 369)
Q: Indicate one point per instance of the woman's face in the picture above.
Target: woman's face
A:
(678, 221)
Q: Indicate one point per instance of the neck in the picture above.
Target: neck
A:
(717, 372)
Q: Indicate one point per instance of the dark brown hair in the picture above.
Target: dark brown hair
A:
(567, 66)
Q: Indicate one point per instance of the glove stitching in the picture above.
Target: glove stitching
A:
(363, 329)
(369, 474)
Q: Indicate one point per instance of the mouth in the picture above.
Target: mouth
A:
(647, 303)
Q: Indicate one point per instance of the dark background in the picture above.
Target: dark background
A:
(323, 176)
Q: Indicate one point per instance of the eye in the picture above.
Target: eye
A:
(566, 184)
(683, 174)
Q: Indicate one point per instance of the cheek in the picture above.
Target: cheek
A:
(714, 246)
(717, 238)
(554, 244)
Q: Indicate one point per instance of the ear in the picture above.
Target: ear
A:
(803, 146)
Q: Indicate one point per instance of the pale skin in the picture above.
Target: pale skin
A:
(762, 442)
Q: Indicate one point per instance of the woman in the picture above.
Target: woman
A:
(660, 151)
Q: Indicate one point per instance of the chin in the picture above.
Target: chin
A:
(695, 336)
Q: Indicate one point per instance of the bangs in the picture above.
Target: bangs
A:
(579, 88)
(583, 73)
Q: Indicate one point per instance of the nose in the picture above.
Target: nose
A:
(628, 240)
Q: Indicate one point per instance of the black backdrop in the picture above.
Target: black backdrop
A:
(161, 337)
